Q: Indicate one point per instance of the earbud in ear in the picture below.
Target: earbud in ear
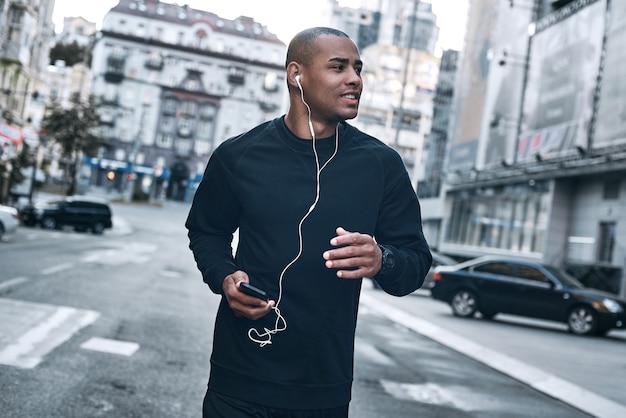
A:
(298, 79)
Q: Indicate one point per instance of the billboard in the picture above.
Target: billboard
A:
(563, 73)
(610, 126)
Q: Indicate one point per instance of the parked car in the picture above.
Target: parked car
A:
(492, 285)
(438, 260)
(8, 220)
(80, 212)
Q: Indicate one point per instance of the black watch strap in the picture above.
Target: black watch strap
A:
(388, 260)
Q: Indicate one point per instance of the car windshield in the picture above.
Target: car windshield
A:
(565, 278)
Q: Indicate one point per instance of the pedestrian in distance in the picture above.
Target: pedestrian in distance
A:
(318, 206)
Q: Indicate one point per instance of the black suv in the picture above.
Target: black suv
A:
(80, 212)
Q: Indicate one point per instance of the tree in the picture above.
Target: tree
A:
(74, 130)
(70, 53)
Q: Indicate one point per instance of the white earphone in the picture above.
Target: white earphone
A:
(264, 338)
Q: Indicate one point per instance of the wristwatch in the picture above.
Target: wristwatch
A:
(388, 260)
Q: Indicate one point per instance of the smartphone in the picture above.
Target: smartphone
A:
(250, 290)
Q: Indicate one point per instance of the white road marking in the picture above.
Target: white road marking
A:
(120, 253)
(56, 269)
(12, 282)
(170, 274)
(372, 354)
(105, 345)
(459, 397)
(29, 349)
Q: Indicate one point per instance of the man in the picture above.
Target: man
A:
(319, 205)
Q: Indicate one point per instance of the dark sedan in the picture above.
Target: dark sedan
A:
(492, 285)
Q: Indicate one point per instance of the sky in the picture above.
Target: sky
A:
(285, 18)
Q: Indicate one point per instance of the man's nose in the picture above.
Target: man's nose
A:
(355, 78)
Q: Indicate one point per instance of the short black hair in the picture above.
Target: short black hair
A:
(301, 47)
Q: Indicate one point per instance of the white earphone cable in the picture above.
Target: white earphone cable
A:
(264, 338)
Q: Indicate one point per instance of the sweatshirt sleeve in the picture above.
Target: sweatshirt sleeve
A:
(399, 228)
(211, 223)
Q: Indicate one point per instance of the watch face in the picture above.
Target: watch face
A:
(388, 259)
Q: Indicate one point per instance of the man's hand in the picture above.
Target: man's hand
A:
(239, 302)
(355, 251)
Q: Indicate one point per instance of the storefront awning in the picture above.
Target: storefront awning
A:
(12, 134)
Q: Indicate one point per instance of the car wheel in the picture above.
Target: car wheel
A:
(48, 223)
(464, 304)
(1, 231)
(97, 228)
(582, 320)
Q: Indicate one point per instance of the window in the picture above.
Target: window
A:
(167, 124)
(115, 64)
(606, 242)
(183, 147)
(270, 83)
(16, 16)
(531, 273)
(202, 147)
(611, 190)
(189, 108)
(169, 106)
(164, 140)
(185, 126)
(207, 111)
(201, 38)
(236, 75)
(499, 268)
(205, 129)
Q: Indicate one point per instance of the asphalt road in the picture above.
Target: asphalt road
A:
(121, 325)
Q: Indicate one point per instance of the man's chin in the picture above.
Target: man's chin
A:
(350, 115)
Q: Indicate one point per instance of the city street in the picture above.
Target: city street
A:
(120, 325)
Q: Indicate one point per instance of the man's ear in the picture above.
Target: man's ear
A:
(293, 70)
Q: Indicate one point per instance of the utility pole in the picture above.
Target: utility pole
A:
(130, 186)
(405, 72)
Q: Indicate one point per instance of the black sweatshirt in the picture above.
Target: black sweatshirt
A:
(263, 183)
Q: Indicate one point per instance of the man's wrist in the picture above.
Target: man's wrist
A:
(388, 260)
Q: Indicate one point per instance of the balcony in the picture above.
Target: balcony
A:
(154, 63)
(237, 76)
(115, 69)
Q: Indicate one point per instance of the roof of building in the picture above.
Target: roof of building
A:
(242, 26)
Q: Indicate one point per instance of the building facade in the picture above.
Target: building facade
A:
(430, 186)
(387, 22)
(173, 83)
(536, 163)
(397, 41)
(26, 32)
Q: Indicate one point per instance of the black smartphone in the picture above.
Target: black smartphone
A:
(250, 290)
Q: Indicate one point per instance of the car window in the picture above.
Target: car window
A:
(498, 267)
(532, 273)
